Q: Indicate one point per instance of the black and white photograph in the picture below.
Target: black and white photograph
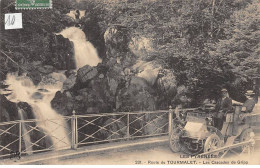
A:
(130, 82)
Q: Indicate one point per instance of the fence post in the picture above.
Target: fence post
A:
(76, 132)
(20, 137)
(170, 120)
(73, 130)
(128, 127)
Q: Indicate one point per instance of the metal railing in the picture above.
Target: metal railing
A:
(26, 137)
(242, 148)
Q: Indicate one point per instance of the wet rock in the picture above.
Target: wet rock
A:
(61, 104)
(43, 90)
(37, 96)
(70, 72)
(69, 82)
(86, 73)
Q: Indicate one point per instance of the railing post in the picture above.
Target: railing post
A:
(128, 127)
(73, 131)
(20, 137)
(170, 120)
(76, 132)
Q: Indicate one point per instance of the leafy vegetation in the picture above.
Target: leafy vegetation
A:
(208, 44)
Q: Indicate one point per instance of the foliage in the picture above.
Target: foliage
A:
(33, 42)
(208, 44)
(196, 39)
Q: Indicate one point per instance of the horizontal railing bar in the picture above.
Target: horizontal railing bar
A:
(142, 136)
(122, 113)
(99, 115)
(1, 156)
(122, 138)
(29, 121)
(102, 114)
(48, 149)
(106, 140)
(10, 122)
(86, 115)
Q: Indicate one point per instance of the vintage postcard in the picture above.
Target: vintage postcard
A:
(130, 82)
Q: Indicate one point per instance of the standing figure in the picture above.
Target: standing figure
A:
(224, 105)
(249, 104)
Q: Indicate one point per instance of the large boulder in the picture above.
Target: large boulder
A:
(63, 103)
(69, 82)
(147, 70)
(94, 97)
(137, 95)
(86, 73)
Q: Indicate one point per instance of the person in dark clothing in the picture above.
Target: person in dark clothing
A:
(224, 105)
(249, 104)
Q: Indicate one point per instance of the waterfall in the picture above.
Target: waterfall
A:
(38, 97)
(84, 51)
(22, 89)
(26, 137)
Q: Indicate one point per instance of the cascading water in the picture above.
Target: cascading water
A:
(26, 137)
(22, 89)
(38, 97)
(84, 51)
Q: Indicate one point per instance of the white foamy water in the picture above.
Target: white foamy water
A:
(26, 137)
(84, 51)
(39, 97)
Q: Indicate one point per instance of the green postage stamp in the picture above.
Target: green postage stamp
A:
(33, 4)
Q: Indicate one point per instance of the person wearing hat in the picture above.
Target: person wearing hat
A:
(249, 104)
(223, 105)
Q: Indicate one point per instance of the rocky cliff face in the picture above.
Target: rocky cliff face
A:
(117, 84)
(110, 86)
